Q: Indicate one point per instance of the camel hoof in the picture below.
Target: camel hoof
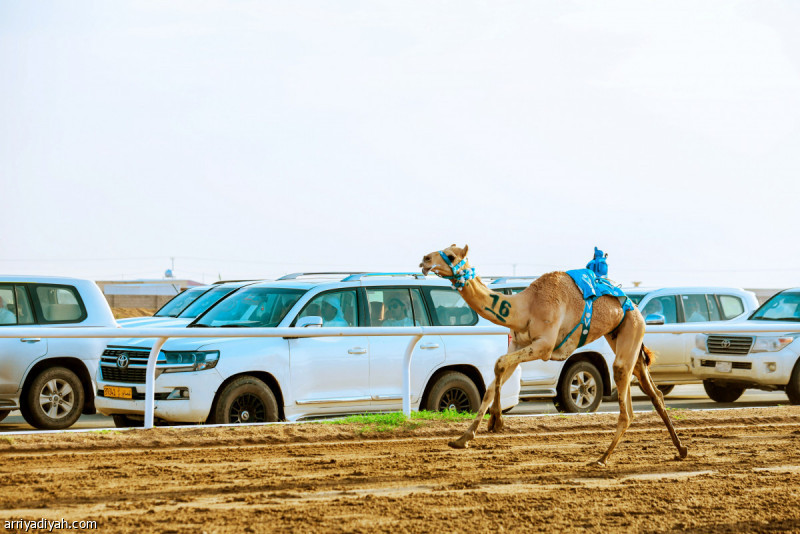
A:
(597, 463)
(496, 424)
(682, 452)
(458, 443)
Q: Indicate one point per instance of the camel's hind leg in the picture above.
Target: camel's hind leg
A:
(646, 382)
(626, 347)
(503, 369)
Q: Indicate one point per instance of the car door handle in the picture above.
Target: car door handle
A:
(357, 350)
(30, 339)
(429, 346)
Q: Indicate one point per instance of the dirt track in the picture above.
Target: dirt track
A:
(742, 474)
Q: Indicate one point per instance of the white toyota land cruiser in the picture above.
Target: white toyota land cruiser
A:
(233, 380)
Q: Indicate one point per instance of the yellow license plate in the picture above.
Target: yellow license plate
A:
(115, 392)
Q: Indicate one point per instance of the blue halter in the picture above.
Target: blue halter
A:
(461, 276)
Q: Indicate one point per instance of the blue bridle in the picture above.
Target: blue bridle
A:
(461, 276)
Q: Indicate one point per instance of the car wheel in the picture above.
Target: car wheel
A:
(454, 391)
(123, 421)
(4, 414)
(722, 393)
(580, 389)
(246, 400)
(54, 399)
(793, 387)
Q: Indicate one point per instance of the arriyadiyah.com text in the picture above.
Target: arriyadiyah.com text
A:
(48, 525)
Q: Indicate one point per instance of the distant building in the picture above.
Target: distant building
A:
(147, 294)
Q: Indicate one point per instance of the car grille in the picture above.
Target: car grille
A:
(734, 365)
(134, 373)
(729, 344)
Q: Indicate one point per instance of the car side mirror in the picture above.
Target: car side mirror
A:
(655, 318)
(311, 320)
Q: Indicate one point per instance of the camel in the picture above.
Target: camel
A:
(543, 320)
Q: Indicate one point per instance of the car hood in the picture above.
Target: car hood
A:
(158, 322)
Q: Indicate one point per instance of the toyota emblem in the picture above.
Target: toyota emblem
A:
(122, 361)
(725, 343)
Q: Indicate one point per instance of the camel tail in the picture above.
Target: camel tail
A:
(647, 355)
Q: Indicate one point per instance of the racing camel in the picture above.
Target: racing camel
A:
(556, 314)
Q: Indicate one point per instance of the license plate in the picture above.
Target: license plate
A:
(116, 392)
(724, 367)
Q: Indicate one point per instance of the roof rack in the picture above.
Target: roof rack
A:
(295, 276)
(504, 279)
(358, 276)
(230, 281)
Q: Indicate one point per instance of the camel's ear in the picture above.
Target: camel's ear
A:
(466, 248)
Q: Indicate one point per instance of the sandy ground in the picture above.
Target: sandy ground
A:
(742, 475)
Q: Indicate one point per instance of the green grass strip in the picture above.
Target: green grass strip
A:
(386, 422)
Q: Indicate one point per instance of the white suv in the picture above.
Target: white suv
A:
(230, 380)
(579, 383)
(730, 363)
(50, 380)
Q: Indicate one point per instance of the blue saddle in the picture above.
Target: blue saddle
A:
(592, 287)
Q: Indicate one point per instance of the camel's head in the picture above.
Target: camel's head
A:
(434, 262)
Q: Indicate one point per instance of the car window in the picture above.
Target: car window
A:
(731, 306)
(396, 307)
(665, 306)
(713, 309)
(418, 307)
(59, 304)
(450, 309)
(23, 308)
(337, 308)
(695, 308)
(204, 302)
(252, 307)
(179, 302)
(8, 305)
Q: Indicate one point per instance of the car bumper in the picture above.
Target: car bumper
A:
(200, 387)
(762, 368)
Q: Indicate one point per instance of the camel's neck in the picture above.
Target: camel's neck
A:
(496, 307)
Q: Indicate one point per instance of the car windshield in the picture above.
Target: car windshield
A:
(205, 301)
(636, 297)
(781, 307)
(252, 307)
(179, 302)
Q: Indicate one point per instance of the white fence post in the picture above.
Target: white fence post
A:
(150, 383)
(407, 375)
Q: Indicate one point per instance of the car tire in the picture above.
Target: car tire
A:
(793, 387)
(722, 393)
(4, 414)
(123, 421)
(246, 400)
(453, 391)
(580, 389)
(54, 400)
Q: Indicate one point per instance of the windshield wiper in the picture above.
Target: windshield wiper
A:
(197, 326)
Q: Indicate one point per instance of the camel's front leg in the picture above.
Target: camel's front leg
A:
(502, 372)
(504, 368)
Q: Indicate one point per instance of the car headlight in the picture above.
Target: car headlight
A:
(701, 342)
(177, 362)
(772, 343)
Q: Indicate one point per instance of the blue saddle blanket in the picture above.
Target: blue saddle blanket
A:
(593, 286)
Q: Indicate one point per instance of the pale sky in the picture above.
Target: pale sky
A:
(249, 139)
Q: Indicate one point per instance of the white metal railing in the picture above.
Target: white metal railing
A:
(161, 335)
